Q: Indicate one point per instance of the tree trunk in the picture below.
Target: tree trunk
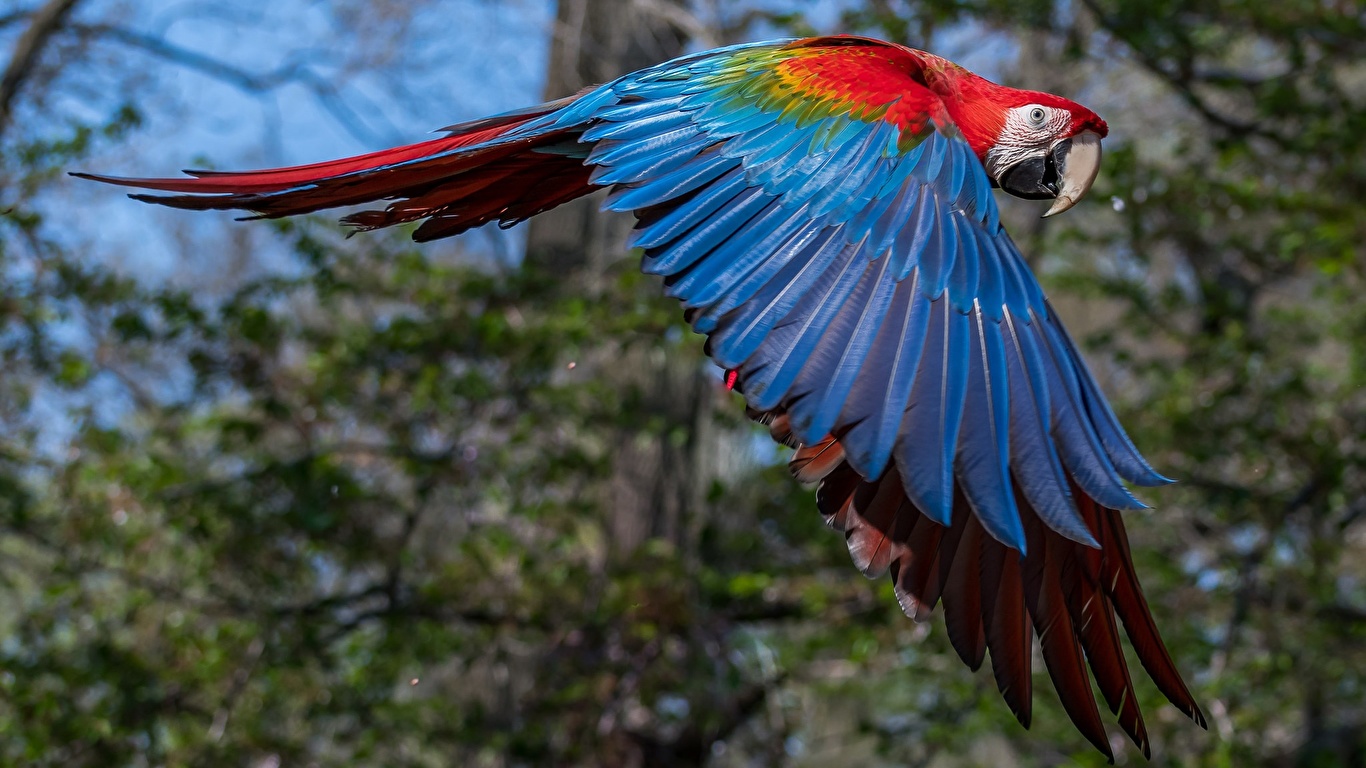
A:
(657, 477)
(595, 41)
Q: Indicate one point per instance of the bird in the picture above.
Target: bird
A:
(823, 209)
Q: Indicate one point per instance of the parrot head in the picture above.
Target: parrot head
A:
(1034, 145)
(1047, 148)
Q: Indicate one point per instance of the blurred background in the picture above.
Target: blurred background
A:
(274, 497)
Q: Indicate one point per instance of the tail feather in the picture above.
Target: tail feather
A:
(483, 171)
(279, 179)
(516, 199)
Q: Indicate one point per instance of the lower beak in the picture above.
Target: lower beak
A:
(1065, 174)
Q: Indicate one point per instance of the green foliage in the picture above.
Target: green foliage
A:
(362, 510)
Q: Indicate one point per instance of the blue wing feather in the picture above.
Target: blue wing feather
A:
(876, 406)
(785, 149)
(1078, 443)
(741, 332)
(727, 125)
(892, 216)
(964, 279)
(829, 376)
(685, 217)
(1033, 292)
(935, 162)
(640, 113)
(940, 251)
(911, 244)
(983, 459)
(835, 130)
(622, 158)
(929, 432)
(960, 160)
(701, 171)
(859, 279)
(660, 158)
(703, 239)
(761, 143)
(622, 127)
(752, 283)
(1034, 458)
(708, 279)
(1127, 460)
(991, 289)
(827, 169)
(776, 365)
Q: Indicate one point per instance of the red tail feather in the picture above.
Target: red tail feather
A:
(458, 181)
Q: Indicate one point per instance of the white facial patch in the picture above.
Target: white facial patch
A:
(1027, 131)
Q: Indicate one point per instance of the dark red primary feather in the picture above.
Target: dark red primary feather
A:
(1068, 592)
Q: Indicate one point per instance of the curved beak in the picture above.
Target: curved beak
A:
(1078, 162)
(1064, 174)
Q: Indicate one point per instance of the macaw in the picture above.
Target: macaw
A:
(823, 210)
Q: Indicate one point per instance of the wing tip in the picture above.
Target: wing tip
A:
(1196, 715)
(975, 660)
(1154, 479)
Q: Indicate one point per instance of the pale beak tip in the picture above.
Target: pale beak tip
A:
(1062, 203)
(1079, 171)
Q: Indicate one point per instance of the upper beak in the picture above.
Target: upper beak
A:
(1078, 162)
(1064, 174)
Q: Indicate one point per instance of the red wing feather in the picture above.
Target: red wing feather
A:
(520, 194)
(1126, 596)
(1091, 610)
(915, 575)
(813, 462)
(278, 179)
(1069, 593)
(1006, 620)
(873, 525)
(963, 591)
(1057, 634)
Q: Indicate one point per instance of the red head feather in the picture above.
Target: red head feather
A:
(978, 106)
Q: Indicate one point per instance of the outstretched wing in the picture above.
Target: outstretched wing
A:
(818, 213)
(826, 225)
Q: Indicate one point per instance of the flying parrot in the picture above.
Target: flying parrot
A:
(823, 210)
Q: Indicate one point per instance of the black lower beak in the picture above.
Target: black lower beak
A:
(1065, 173)
(1036, 178)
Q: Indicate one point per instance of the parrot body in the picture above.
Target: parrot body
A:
(823, 210)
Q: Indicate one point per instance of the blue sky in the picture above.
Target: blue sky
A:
(487, 58)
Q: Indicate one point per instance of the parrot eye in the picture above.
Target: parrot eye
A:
(1037, 117)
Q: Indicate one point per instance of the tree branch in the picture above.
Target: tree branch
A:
(47, 21)
(255, 83)
(1183, 81)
